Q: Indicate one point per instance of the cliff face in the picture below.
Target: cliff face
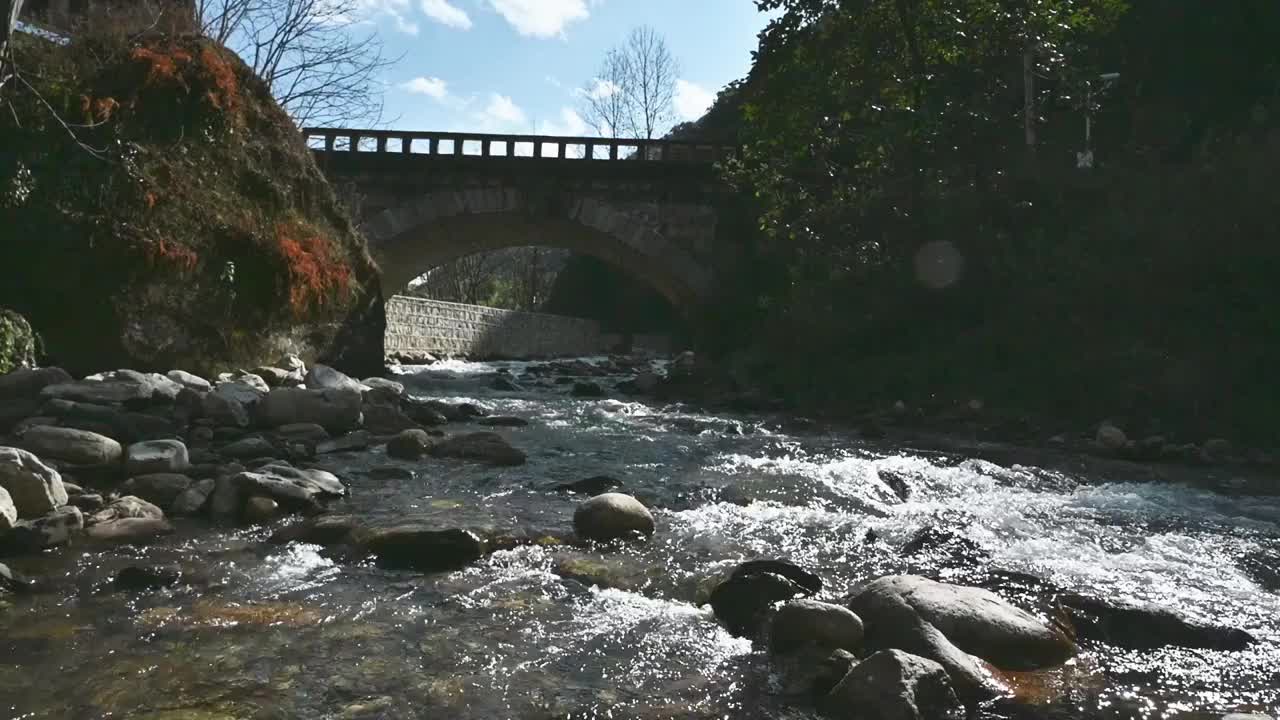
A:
(179, 221)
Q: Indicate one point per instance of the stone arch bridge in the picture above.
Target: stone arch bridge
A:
(422, 199)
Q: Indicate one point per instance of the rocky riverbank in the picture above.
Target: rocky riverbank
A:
(126, 467)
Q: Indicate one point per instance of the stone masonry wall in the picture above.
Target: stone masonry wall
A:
(415, 326)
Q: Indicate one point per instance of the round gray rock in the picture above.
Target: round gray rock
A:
(612, 516)
(809, 622)
(260, 510)
(156, 456)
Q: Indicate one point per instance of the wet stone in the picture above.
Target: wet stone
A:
(423, 548)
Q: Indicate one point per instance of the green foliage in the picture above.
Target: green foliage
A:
(18, 342)
(885, 139)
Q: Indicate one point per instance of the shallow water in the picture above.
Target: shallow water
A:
(292, 632)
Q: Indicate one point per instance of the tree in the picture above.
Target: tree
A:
(635, 89)
(9, 12)
(318, 63)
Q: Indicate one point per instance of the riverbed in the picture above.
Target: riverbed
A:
(547, 630)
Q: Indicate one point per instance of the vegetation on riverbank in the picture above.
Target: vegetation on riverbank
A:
(919, 240)
(164, 211)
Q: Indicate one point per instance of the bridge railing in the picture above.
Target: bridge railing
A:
(451, 144)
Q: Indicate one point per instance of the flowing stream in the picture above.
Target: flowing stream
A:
(298, 632)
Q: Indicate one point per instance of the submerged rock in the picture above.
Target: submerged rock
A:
(410, 445)
(323, 530)
(1144, 628)
(33, 488)
(486, 447)
(421, 548)
(588, 390)
(136, 578)
(503, 421)
(893, 685)
(612, 516)
(260, 509)
(129, 530)
(590, 486)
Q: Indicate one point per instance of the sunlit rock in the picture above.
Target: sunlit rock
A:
(33, 488)
(804, 622)
(77, 447)
(156, 456)
(612, 516)
(893, 685)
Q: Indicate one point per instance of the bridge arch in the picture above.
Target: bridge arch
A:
(442, 225)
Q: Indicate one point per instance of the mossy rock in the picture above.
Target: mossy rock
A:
(18, 342)
(188, 227)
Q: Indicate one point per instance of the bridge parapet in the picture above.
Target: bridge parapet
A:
(530, 147)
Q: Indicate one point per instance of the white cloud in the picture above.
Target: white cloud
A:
(338, 12)
(446, 14)
(541, 18)
(600, 89)
(429, 86)
(502, 113)
(570, 124)
(554, 81)
(692, 100)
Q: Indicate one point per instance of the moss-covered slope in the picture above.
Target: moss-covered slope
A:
(184, 225)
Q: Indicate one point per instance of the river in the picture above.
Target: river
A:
(297, 632)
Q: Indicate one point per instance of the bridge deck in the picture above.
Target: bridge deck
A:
(332, 141)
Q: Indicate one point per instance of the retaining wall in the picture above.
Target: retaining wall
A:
(416, 326)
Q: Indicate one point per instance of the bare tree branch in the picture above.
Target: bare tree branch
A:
(634, 94)
(321, 68)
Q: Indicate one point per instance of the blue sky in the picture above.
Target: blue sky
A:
(519, 65)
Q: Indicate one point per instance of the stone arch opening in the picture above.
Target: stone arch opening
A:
(443, 226)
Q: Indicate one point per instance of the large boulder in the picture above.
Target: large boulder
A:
(975, 620)
(190, 381)
(612, 516)
(893, 685)
(49, 530)
(293, 488)
(224, 409)
(386, 419)
(193, 500)
(116, 387)
(8, 511)
(75, 447)
(337, 410)
(161, 489)
(117, 424)
(742, 601)
(421, 548)
(125, 508)
(33, 488)
(324, 377)
(1145, 628)
(156, 456)
(20, 392)
(486, 447)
